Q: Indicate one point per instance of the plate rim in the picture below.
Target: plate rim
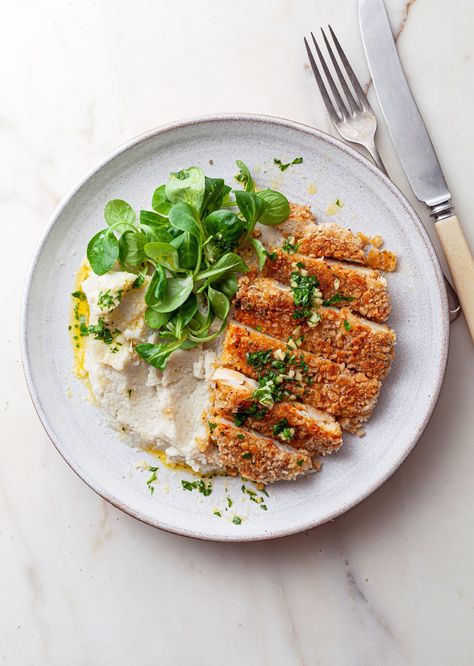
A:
(202, 120)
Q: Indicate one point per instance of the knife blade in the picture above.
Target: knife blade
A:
(415, 149)
(405, 124)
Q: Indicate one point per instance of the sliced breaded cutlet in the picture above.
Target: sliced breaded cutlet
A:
(260, 459)
(332, 240)
(340, 283)
(268, 306)
(317, 381)
(294, 423)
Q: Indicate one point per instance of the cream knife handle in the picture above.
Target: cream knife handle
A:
(461, 264)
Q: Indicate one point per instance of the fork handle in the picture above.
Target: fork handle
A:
(460, 262)
(372, 149)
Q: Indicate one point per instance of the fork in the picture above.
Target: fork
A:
(353, 118)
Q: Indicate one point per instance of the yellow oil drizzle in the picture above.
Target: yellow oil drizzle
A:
(80, 308)
(182, 467)
(312, 189)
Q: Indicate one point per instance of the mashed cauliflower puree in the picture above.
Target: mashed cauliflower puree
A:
(165, 410)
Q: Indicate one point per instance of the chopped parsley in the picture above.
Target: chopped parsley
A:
(100, 331)
(254, 411)
(200, 485)
(265, 394)
(237, 520)
(229, 501)
(282, 430)
(305, 292)
(80, 295)
(347, 326)
(290, 246)
(108, 300)
(240, 436)
(276, 373)
(253, 497)
(300, 462)
(212, 426)
(337, 298)
(247, 455)
(260, 359)
(284, 167)
(152, 478)
(217, 513)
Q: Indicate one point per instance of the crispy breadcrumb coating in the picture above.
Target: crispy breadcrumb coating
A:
(258, 458)
(323, 384)
(266, 305)
(365, 288)
(299, 425)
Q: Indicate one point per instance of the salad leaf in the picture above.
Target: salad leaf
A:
(150, 217)
(157, 355)
(277, 208)
(244, 176)
(176, 293)
(260, 252)
(119, 214)
(250, 205)
(155, 319)
(227, 224)
(228, 285)
(215, 190)
(188, 186)
(184, 315)
(188, 250)
(157, 287)
(102, 251)
(219, 303)
(131, 250)
(164, 254)
(181, 217)
(228, 263)
(159, 202)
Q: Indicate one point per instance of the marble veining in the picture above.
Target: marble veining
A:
(392, 581)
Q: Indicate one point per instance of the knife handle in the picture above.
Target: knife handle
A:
(460, 262)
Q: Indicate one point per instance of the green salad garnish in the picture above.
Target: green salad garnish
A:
(190, 246)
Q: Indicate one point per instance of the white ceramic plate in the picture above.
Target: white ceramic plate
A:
(372, 204)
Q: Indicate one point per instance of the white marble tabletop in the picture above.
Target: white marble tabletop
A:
(392, 581)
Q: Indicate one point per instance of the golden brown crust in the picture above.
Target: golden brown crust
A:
(310, 433)
(384, 260)
(366, 287)
(324, 385)
(331, 240)
(257, 458)
(339, 335)
(302, 213)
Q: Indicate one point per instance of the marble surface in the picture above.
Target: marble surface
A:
(392, 581)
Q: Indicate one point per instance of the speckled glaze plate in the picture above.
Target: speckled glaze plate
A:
(330, 170)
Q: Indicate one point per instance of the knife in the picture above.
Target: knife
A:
(414, 148)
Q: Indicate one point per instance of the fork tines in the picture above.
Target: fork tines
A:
(338, 110)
